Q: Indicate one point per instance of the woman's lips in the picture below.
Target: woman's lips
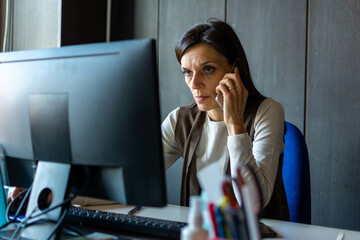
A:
(200, 98)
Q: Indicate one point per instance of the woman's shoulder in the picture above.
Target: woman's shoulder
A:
(172, 116)
(270, 107)
(270, 103)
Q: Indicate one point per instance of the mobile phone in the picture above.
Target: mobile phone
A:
(220, 98)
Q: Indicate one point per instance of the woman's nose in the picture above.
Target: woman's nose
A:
(196, 81)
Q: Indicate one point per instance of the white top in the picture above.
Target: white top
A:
(262, 154)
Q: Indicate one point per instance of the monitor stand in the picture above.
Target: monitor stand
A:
(49, 189)
(50, 136)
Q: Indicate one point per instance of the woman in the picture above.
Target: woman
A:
(249, 129)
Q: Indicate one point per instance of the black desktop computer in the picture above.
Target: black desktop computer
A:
(89, 116)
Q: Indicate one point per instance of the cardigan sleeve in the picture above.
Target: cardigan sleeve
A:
(262, 155)
(171, 150)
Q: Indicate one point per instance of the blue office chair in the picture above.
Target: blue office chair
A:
(296, 175)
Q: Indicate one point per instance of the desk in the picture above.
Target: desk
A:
(286, 230)
(297, 231)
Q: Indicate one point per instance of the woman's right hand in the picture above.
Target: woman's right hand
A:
(13, 192)
(235, 97)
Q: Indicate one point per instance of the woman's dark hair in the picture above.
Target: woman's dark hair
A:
(223, 38)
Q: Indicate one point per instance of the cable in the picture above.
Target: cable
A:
(25, 223)
(58, 222)
(22, 225)
(5, 238)
(11, 28)
(26, 192)
(57, 225)
(8, 23)
(64, 202)
(12, 203)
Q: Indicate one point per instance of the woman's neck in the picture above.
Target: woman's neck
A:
(216, 115)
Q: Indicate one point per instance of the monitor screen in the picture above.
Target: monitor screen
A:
(93, 105)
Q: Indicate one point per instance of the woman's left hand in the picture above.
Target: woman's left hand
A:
(235, 96)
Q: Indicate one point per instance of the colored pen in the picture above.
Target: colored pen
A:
(240, 216)
(219, 222)
(229, 226)
(211, 208)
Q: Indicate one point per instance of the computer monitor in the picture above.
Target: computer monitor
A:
(93, 105)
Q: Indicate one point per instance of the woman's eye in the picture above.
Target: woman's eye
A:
(208, 69)
(186, 72)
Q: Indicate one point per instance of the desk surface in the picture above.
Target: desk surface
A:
(297, 231)
(286, 230)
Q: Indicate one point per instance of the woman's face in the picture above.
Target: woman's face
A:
(203, 68)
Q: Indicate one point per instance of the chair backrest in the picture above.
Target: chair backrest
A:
(296, 175)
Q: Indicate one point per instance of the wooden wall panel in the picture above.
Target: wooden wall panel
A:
(36, 24)
(133, 19)
(177, 16)
(146, 19)
(83, 22)
(273, 34)
(333, 112)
